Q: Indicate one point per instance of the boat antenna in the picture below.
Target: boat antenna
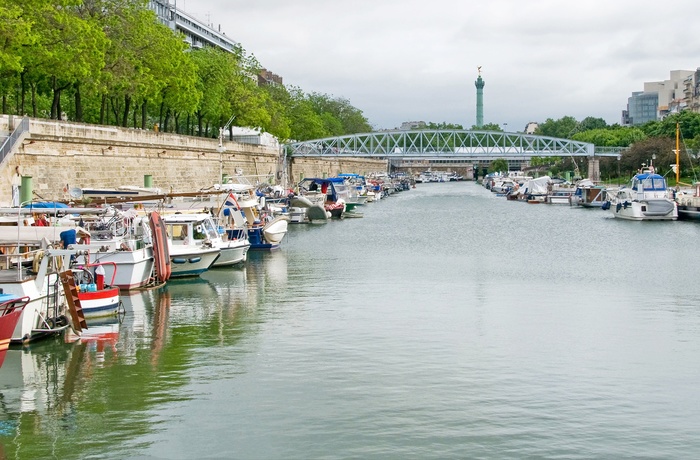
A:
(678, 150)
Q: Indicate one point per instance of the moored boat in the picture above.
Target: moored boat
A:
(589, 195)
(646, 197)
(191, 252)
(11, 307)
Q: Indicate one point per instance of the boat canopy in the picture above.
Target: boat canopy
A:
(318, 180)
(648, 182)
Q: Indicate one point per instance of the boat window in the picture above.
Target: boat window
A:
(178, 231)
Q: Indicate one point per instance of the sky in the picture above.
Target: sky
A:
(416, 60)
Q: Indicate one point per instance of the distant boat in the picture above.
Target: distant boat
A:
(589, 195)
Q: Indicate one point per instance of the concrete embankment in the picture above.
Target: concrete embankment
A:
(55, 156)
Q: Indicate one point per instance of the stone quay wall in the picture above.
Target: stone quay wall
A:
(60, 155)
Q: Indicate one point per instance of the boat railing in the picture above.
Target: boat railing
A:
(16, 257)
(98, 264)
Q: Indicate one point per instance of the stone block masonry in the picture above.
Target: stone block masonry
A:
(60, 155)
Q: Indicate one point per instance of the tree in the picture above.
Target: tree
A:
(487, 127)
(499, 164)
(215, 70)
(563, 128)
(69, 48)
(589, 123)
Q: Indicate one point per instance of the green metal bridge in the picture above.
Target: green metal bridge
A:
(445, 144)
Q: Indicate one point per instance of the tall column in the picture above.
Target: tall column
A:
(479, 100)
(594, 169)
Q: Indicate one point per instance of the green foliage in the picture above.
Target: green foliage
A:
(499, 164)
(487, 127)
(113, 62)
(564, 128)
(618, 136)
(443, 125)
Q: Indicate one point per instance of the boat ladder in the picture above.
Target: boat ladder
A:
(74, 307)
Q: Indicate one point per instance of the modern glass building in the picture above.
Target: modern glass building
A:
(642, 107)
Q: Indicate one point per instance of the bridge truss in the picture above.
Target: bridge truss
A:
(443, 144)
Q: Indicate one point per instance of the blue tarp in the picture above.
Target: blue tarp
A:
(46, 205)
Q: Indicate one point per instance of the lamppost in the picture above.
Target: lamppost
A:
(618, 170)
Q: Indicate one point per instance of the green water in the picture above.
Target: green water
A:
(446, 323)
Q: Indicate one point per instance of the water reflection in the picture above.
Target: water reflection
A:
(62, 396)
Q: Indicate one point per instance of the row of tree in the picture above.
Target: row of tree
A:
(653, 142)
(113, 62)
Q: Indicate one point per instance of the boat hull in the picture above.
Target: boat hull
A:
(232, 253)
(10, 312)
(192, 263)
(133, 268)
(660, 209)
(100, 303)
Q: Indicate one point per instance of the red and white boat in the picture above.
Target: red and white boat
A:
(97, 299)
(11, 307)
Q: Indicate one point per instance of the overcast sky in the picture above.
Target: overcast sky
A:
(414, 60)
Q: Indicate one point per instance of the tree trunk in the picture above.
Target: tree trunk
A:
(4, 103)
(35, 109)
(144, 107)
(166, 121)
(103, 106)
(176, 116)
(78, 103)
(127, 107)
(23, 86)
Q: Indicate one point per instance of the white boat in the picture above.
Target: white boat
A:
(45, 314)
(243, 212)
(502, 185)
(97, 298)
(114, 238)
(275, 230)
(646, 197)
(532, 191)
(191, 251)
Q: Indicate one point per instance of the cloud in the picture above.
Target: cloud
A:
(416, 60)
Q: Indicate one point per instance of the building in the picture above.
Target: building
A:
(641, 107)
(660, 98)
(531, 127)
(411, 125)
(265, 77)
(198, 34)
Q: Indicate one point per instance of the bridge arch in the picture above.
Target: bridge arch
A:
(442, 144)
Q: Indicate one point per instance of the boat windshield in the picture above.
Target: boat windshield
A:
(650, 182)
(204, 229)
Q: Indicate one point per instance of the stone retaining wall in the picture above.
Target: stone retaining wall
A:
(61, 155)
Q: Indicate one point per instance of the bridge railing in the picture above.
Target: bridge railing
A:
(422, 143)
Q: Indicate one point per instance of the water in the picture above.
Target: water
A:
(446, 323)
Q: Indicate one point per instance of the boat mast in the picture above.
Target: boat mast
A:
(678, 149)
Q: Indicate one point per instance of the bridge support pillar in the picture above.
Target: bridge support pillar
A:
(594, 169)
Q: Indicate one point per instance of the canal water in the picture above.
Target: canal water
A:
(446, 323)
